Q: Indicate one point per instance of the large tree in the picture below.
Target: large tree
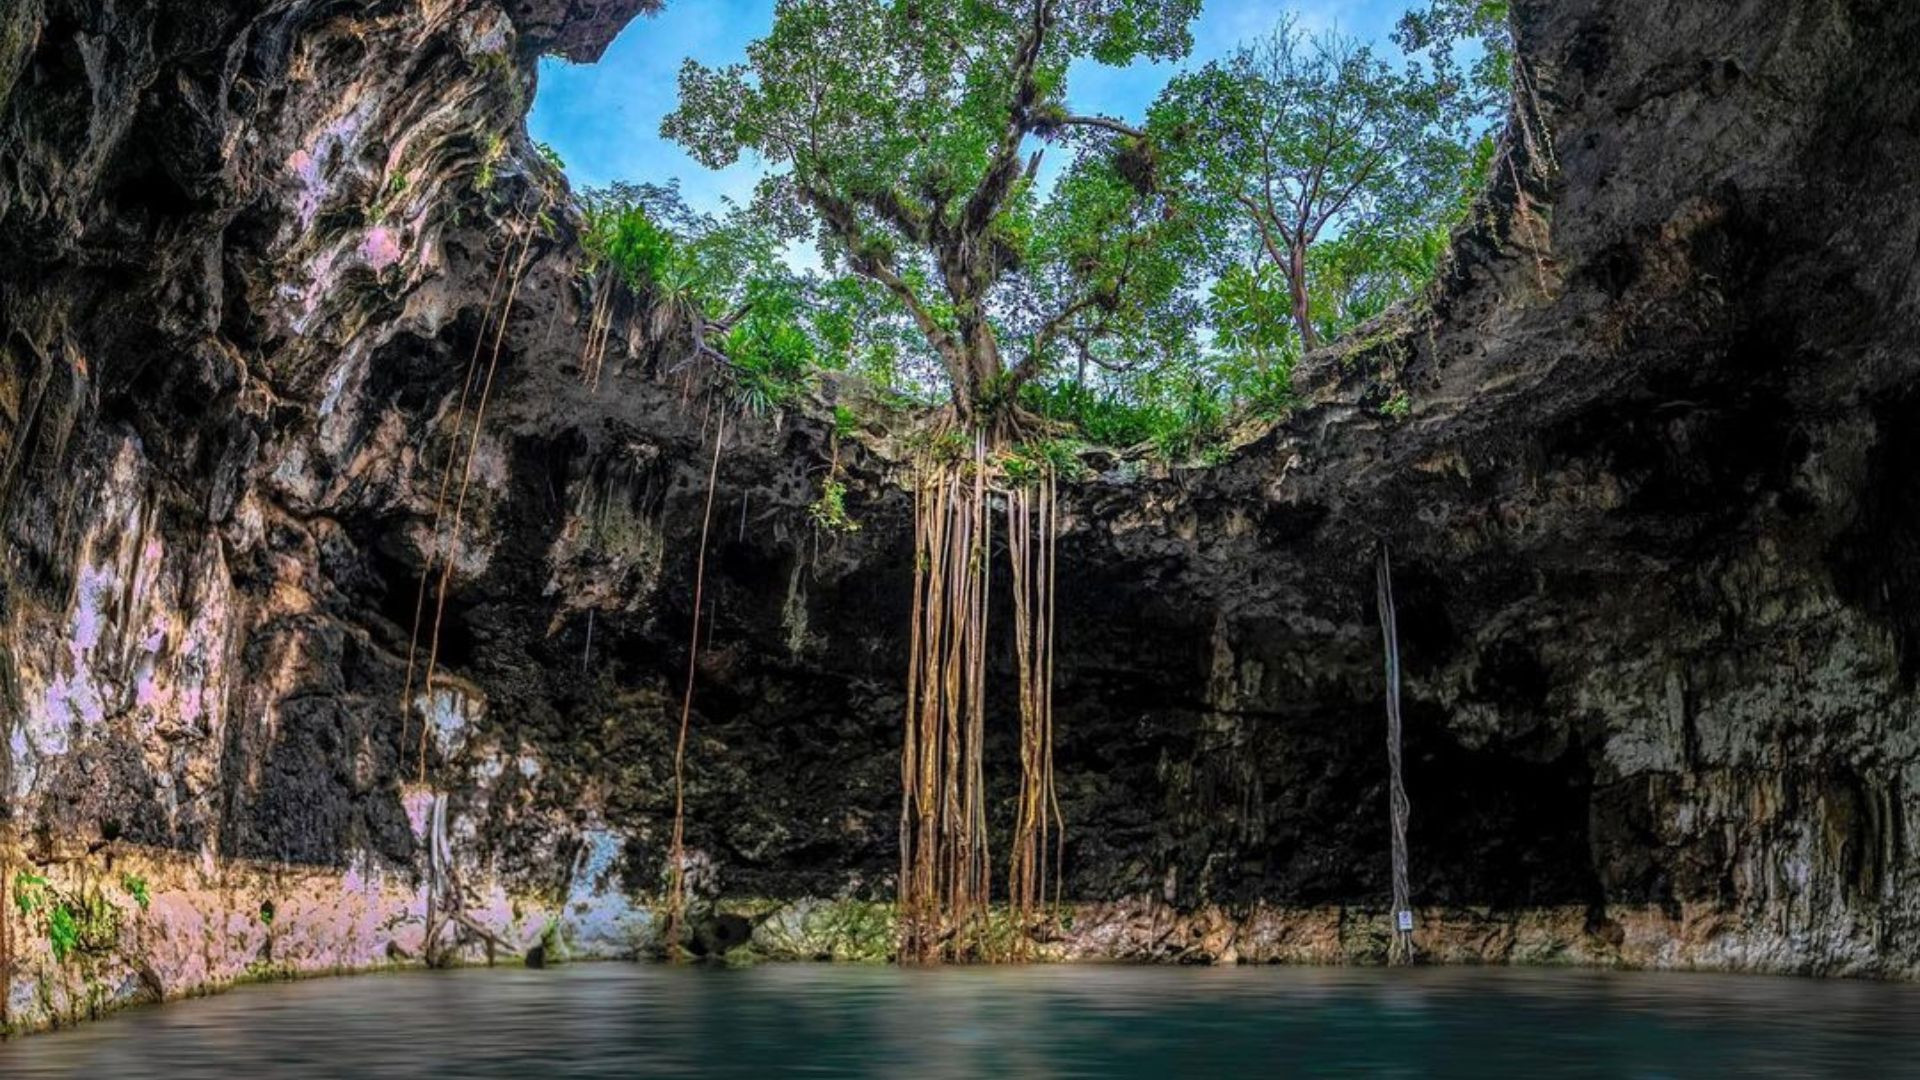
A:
(909, 134)
(1296, 139)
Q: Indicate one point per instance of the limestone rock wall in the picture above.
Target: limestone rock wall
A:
(242, 243)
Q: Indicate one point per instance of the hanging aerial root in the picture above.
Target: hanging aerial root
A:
(1400, 950)
(945, 859)
(7, 904)
(520, 265)
(593, 353)
(440, 540)
(676, 865)
(1031, 525)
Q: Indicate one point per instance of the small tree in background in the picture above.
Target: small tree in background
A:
(1298, 140)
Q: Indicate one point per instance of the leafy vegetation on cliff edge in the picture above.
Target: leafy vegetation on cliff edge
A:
(1165, 281)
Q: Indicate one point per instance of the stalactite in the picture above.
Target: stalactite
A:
(1401, 949)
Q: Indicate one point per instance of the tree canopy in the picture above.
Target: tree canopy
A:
(1302, 138)
(908, 135)
(1171, 267)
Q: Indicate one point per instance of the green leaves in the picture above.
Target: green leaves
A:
(632, 246)
(82, 921)
(1340, 171)
(136, 887)
(829, 511)
(30, 893)
(1247, 308)
(771, 354)
(900, 128)
(726, 273)
(63, 932)
(1442, 27)
(1177, 268)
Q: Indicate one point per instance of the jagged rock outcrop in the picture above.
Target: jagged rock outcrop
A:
(1647, 498)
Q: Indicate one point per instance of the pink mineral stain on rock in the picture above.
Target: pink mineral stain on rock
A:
(146, 692)
(302, 165)
(381, 248)
(94, 584)
(417, 803)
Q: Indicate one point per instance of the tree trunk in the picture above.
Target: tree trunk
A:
(1297, 287)
(978, 366)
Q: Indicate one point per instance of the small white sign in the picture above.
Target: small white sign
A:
(1406, 922)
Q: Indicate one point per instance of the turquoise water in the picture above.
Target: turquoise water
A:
(621, 1020)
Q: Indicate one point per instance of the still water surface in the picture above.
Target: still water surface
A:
(618, 1020)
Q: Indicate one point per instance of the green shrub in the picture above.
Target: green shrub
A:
(829, 511)
(72, 922)
(63, 932)
(30, 893)
(845, 421)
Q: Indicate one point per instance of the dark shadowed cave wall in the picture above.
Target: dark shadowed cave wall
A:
(1653, 507)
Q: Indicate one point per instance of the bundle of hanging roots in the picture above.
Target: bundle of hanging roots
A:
(946, 871)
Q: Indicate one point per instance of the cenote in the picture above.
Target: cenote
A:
(959, 537)
(609, 1020)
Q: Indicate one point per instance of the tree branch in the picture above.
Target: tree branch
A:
(1334, 205)
(896, 210)
(1266, 230)
(1030, 363)
(1098, 122)
(1001, 173)
(840, 217)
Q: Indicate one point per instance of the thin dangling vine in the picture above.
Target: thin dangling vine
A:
(520, 266)
(676, 863)
(446, 484)
(6, 911)
(593, 353)
(444, 900)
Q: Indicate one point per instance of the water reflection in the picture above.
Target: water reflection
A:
(807, 1020)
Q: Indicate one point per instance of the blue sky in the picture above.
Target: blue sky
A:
(604, 118)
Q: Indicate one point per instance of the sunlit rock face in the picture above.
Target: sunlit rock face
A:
(1649, 508)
